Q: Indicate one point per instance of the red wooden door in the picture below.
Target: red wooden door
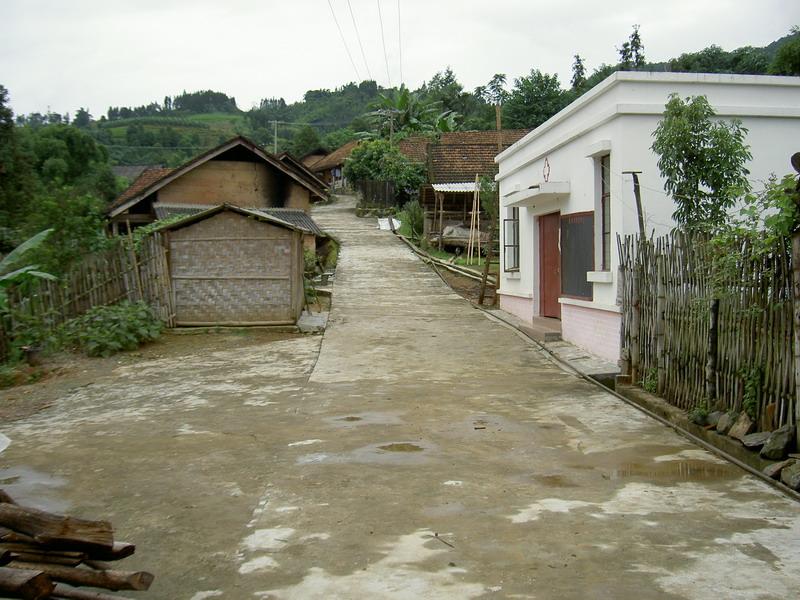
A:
(549, 265)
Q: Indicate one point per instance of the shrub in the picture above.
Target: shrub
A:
(105, 330)
(412, 219)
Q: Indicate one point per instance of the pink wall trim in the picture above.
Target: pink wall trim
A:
(596, 331)
(520, 307)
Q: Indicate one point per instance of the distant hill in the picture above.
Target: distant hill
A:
(176, 129)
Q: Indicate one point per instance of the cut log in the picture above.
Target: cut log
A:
(70, 593)
(6, 498)
(5, 557)
(27, 584)
(36, 553)
(8, 535)
(118, 551)
(57, 530)
(110, 580)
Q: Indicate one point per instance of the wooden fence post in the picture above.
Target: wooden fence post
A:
(661, 300)
(635, 324)
(711, 358)
(796, 303)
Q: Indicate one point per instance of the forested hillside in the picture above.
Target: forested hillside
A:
(173, 129)
(55, 170)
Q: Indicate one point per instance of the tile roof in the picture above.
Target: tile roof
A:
(415, 148)
(489, 136)
(452, 163)
(292, 216)
(335, 158)
(296, 217)
(148, 177)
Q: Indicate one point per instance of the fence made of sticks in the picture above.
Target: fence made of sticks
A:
(377, 193)
(123, 272)
(699, 337)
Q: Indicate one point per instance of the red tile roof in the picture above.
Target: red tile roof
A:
(415, 148)
(148, 177)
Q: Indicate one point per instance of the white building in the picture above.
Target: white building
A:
(565, 198)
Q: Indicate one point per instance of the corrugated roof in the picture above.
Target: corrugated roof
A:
(466, 186)
(335, 158)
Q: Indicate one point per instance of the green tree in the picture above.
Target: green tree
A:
(631, 53)
(702, 161)
(380, 160)
(405, 112)
(787, 58)
(534, 99)
(578, 73)
(304, 141)
(82, 118)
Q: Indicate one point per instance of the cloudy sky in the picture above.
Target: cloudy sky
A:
(96, 53)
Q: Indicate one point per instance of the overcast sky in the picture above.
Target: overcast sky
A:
(97, 53)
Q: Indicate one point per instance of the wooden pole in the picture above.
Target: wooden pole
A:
(711, 358)
(796, 303)
(441, 218)
(637, 193)
(635, 324)
(661, 297)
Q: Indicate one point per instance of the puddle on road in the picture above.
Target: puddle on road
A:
(678, 470)
(31, 488)
(554, 480)
(402, 447)
(365, 418)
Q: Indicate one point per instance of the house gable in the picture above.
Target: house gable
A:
(237, 171)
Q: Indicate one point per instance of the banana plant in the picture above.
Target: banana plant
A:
(11, 273)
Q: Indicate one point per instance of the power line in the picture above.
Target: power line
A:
(383, 41)
(344, 42)
(400, 42)
(358, 37)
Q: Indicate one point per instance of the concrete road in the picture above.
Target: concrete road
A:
(424, 451)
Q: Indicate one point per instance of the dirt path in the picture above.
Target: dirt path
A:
(426, 452)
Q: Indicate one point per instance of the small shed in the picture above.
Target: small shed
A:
(235, 266)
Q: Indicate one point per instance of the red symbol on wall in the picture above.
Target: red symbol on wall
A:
(546, 170)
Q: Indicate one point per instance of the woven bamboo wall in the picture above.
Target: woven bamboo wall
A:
(231, 269)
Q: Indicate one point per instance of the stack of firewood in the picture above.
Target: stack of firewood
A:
(43, 555)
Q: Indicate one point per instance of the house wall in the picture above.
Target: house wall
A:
(618, 118)
(298, 197)
(232, 269)
(246, 184)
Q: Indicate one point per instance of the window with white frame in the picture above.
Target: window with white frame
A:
(605, 212)
(511, 240)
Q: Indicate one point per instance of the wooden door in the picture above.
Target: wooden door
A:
(549, 265)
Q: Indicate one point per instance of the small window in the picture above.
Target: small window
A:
(605, 211)
(511, 241)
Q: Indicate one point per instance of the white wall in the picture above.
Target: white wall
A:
(621, 113)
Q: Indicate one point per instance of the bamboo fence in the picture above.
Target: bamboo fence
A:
(669, 335)
(119, 273)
